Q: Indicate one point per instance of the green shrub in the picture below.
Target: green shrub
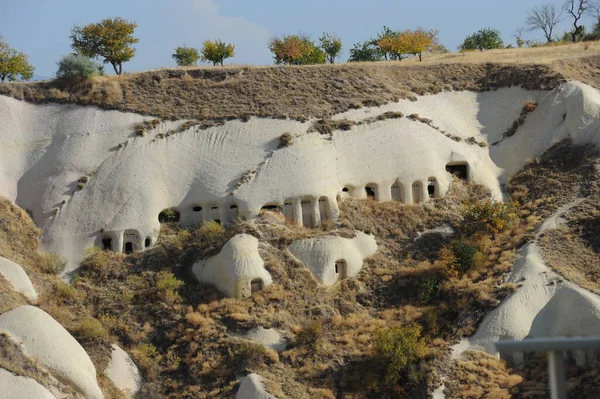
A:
(488, 216)
(77, 66)
(399, 347)
(428, 289)
(53, 263)
(465, 256)
(186, 56)
(310, 336)
(91, 328)
(211, 230)
(167, 282)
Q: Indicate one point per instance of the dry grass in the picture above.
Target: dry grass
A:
(562, 175)
(216, 94)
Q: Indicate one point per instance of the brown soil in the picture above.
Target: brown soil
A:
(279, 92)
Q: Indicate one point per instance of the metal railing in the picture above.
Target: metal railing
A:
(555, 347)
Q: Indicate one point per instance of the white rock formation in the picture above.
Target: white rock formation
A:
(252, 387)
(123, 372)
(17, 387)
(17, 277)
(49, 147)
(54, 348)
(544, 305)
(267, 337)
(333, 258)
(237, 270)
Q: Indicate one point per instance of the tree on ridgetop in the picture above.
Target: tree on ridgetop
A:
(332, 45)
(419, 41)
(483, 39)
(544, 18)
(296, 50)
(186, 56)
(13, 63)
(366, 51)
(110, 39)
(577, 8)
(386, 38)
(217, 51)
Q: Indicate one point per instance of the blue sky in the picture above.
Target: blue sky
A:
(41, 28)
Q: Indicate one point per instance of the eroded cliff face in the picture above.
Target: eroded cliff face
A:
(89, 179)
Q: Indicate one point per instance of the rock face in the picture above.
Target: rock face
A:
(17, 387)
(196, 171)
(16, 276)
(252, 387)
(123, 372)
(334, 258)
(544, 305)
(237, 270)
(54, 348)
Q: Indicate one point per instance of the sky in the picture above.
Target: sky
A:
(41, 28)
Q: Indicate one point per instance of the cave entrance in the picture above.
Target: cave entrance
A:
(458, 169)
(107, 244)
(128, 247)
(256, 285)
(341, 269)
(370, 190)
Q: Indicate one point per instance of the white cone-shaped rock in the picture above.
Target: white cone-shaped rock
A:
(16, 276)
(252, 387)
(123, 372)
(236, 269)
(333, 258)
(54, 348)
(267, 337)
(17, 387)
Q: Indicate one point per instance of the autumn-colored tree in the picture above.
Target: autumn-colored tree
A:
(296, 50)
(331, 45)
(186, 56)
(13, 63)
(418, 41)
(217, 51)
(392, 46)
(110, 39)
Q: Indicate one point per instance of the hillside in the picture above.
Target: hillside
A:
(272, 231)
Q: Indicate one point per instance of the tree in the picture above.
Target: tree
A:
(331, 45)
(186, 56)
(296, 50)
(544, 18)
(483, 39)
(78, 66)
(386, 37)
(13, 63)
(399, 347)
(110, 39)
(366, 51)
(418, 41)
(217, 51)
(576, 8)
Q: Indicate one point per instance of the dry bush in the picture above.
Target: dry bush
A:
(53, 263)
(286, 140)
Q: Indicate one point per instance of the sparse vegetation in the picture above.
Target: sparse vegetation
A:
(483, 39)
(217, 52)
(53, 263)
(78, 66)
(109, 39)
(331, 45)
(296, 50)
(186, 56)
(13, 64)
